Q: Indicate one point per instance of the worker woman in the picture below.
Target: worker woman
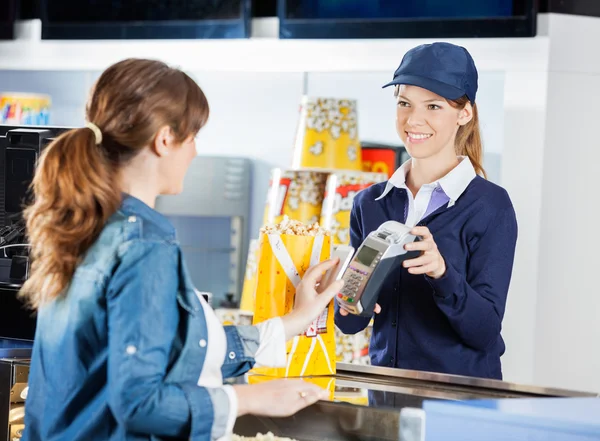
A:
(125, 347)
(441, 311)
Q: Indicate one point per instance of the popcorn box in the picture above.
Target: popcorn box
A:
(382, 159)
(341, 189)
(249, 289)
(327, 135)
(286, 252)
(297, 194)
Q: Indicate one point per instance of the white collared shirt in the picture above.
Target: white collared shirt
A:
(452, 186)
(270, 353)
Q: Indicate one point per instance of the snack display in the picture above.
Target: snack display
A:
(24, 108)
(342, 187)
(353, 349)
(382, 159)
(327, 135)
(307, 212)
(286, 251)
(260, 437)
(297, 194)
(291, 226)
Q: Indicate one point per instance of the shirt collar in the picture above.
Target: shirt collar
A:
(453, 184)
(132, 205)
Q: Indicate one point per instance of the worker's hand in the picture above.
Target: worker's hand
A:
(430, 261)
(311, 300)
(344, 313)
(277, 398)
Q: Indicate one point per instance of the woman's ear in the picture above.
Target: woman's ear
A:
(465, 115)
(163, 141)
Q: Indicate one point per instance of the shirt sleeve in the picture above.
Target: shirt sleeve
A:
(352, 324)
(474, 303)
(272, 349)
(143, 320)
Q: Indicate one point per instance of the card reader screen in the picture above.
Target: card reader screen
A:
(366, 255)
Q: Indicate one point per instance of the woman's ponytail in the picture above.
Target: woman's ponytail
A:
(75, 193)
(468, 139)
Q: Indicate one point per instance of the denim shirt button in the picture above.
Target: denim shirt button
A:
(202, 343)
(132, 219)
(232, 355)
(131, 349)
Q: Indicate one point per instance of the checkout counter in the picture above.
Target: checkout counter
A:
(367, 405)
(369, 401)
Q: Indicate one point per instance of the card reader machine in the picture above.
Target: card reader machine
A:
(381, 252)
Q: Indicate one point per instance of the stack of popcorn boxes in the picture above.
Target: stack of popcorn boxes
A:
(307, 214)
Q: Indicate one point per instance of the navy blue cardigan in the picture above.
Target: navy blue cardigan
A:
(450, 325)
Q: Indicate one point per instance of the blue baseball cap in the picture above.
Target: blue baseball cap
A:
(443, 68)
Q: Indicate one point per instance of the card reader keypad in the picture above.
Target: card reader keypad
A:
(359, 292)
(354, 279)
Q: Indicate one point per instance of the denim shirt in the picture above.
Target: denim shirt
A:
(117, 357)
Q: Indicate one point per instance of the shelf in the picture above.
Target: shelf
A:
(263, 54)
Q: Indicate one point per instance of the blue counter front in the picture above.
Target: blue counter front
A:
(531, 419)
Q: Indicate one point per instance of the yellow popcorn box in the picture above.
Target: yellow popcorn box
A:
(249, 290)
(286, 252)
(297, 194)
(341, 189)
(327, 135)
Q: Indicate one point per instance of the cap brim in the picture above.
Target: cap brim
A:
(437, 87)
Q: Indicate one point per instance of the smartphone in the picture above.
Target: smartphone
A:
(345, 254)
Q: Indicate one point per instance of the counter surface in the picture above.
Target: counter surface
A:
(368, 400)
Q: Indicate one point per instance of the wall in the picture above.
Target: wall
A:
(567, 351)
(256, 117)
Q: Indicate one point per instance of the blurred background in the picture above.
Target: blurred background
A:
(256, 60)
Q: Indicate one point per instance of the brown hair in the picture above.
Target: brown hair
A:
(75, 186)
(468, 139)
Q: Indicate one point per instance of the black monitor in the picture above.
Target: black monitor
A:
(145, 19)
(20, 147)
(407, 18)
(8, 14)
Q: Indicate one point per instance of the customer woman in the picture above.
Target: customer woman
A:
(441, 311)
(125, 349)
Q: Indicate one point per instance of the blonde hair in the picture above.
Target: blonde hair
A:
(468, 138)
